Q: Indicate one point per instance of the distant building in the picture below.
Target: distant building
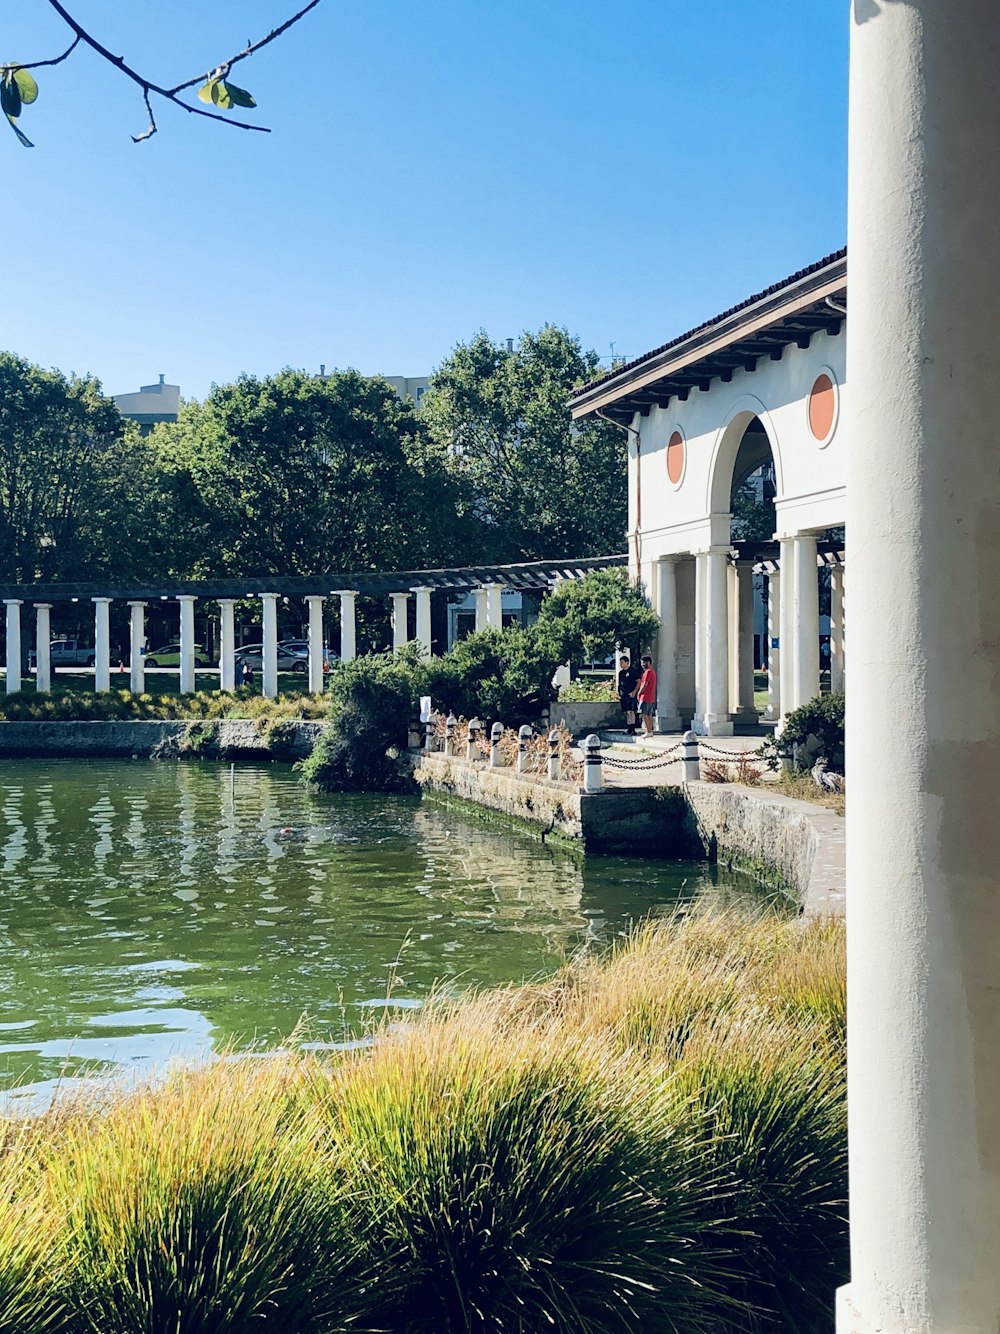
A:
(410, 386)
(153, 403)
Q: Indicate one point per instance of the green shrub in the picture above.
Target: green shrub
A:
(822, 718)
(124, 706)
(583, 619)
(493, 674)
(590, 690)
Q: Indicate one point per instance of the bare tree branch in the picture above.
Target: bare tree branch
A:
(148, 87)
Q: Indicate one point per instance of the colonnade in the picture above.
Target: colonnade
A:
(723, 624)
(488, 615)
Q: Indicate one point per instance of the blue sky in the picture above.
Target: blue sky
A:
(624, 169)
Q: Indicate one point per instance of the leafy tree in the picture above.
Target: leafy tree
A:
(295, 474)
(536, 484)
(78, 485)
(583, 619)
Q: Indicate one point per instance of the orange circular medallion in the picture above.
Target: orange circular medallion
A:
(822, 407)
(675, 457)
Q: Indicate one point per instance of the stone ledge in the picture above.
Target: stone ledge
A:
(237, 738)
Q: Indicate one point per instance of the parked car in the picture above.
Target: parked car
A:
(287, 660)
(170, 656)
(66, 653)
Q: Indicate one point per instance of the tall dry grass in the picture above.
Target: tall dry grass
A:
(654, 1141)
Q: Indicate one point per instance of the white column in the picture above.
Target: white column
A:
(838, 641)
(227, 645)
(789, 689)
(494, 606)
(102, 643)
(314, 603)
(805, 609)
(400, 627)
(700, 619)
(922, 423)
(667, 717)
(717, 721)
(136, 639)
(423, 596)
(186, 602)
(13, 606)
(733, 602)
(43, 641)
(348, 624)
(482, 614)
(773, 648)
(269, 619)
(746, 709)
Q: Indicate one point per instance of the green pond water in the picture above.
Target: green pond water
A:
(157, 912)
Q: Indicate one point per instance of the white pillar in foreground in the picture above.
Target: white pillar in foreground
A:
(186, 685)
(746, 708)
(227, 645)
(269, 619)
(773, 646)
(43, 642)
(716, 721)
(400, 627)
(136, 640)
(13, 606)
(423, 596)
(482, 615)
(348, 624)
(805, 610)
(733, 601)
(314, 635)
(102, 643)
(786, 610)
(922, 423)
(667, 716)
(838, 641)
(494, 606)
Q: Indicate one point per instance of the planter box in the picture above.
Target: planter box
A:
(583, 717)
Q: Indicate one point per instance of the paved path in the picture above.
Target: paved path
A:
(645, 751)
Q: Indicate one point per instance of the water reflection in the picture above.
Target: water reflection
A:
(155, 911)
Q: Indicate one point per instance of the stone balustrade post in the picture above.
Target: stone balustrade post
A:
(471, 746)
(593, 774)
(690, 759)
(496, 733)
(523, 737)
(554, 754)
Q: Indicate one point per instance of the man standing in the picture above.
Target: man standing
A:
(646, 695)
(628, 681)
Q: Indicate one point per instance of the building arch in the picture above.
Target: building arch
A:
(726, 453)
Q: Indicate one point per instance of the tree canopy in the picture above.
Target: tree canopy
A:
(538, 485)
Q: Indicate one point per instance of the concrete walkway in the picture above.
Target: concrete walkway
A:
(644, 751)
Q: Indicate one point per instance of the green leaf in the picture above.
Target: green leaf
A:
(24, 140)
(26, 86)
(205, 91)
(10, 97)
(239, 97)
(220, 95)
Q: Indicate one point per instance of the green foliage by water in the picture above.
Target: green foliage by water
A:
(821, 718)
(654, 1142)
(27, 706)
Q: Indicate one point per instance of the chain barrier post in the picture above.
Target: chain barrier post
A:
(523, 737)
(593, 778)
(471, 748)
(430, 728)
(690, 766)
(449, 734)
(554, 755)
(496, 732)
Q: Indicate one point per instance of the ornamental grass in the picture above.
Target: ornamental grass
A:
(651, 1142)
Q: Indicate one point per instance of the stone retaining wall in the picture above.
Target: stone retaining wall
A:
(225, 738)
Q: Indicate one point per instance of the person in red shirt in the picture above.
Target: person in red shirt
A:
(645, 694)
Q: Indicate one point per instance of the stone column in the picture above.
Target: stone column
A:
(789, 689)
(482, 614)
(667, 716)
(746, 709)
(700, 618)
(314, 635)
(227, 645)
(838, 640)
(494, 606)
(186, 685)
(102, 643)
(43, 641)
(269, 618)
(400, 628)
(773, 652)
(717, 721)
(423, 596)
(733, 603)
(348, 624)
(922, 422)
(805, 609)
(13, 606)
(136, 639)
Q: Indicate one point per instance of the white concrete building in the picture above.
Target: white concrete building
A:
(153, 403)
(410, 386)
(762, 384)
